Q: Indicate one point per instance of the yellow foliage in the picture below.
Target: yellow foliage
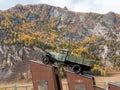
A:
(27, 39)
(93, 38)
(98, 68)
(86, 40)
(77, 52)
(2, 88)
(103, 72)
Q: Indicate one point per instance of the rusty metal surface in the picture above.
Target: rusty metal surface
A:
(113, 86)
(98, 88)
(45, 74)
(79, 82)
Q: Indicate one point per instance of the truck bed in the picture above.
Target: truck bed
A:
(83, 67)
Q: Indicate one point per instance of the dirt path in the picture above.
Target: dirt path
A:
(112, 77)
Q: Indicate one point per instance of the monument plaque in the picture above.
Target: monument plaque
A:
(80, 87)
(45, 77)
(42, 85)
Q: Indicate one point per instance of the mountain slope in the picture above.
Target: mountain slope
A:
(87, 35)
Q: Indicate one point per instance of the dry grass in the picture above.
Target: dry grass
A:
(111, 77)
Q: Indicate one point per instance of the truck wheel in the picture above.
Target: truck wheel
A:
(76, 68)
(46, 60)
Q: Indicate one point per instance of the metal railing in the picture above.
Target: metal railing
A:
(30, 87)
(102, 84)
(65, 86)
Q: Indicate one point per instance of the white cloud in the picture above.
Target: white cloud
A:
(110, 5)
(99, 6)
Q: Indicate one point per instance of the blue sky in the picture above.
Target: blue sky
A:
(98, 6)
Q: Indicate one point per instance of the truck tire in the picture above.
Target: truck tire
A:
(76, 68)
(46, 60)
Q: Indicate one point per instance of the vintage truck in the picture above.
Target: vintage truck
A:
(66, 59)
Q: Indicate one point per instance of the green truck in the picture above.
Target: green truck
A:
(66, 59)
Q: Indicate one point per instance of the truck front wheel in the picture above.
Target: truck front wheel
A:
(46, 60)
(76, 68)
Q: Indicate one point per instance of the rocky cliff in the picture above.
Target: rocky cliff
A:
(14, 63)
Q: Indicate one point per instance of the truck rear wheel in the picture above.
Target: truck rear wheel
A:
(76, 68)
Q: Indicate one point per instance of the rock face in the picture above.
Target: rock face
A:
(109, 18)
(14, 61)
